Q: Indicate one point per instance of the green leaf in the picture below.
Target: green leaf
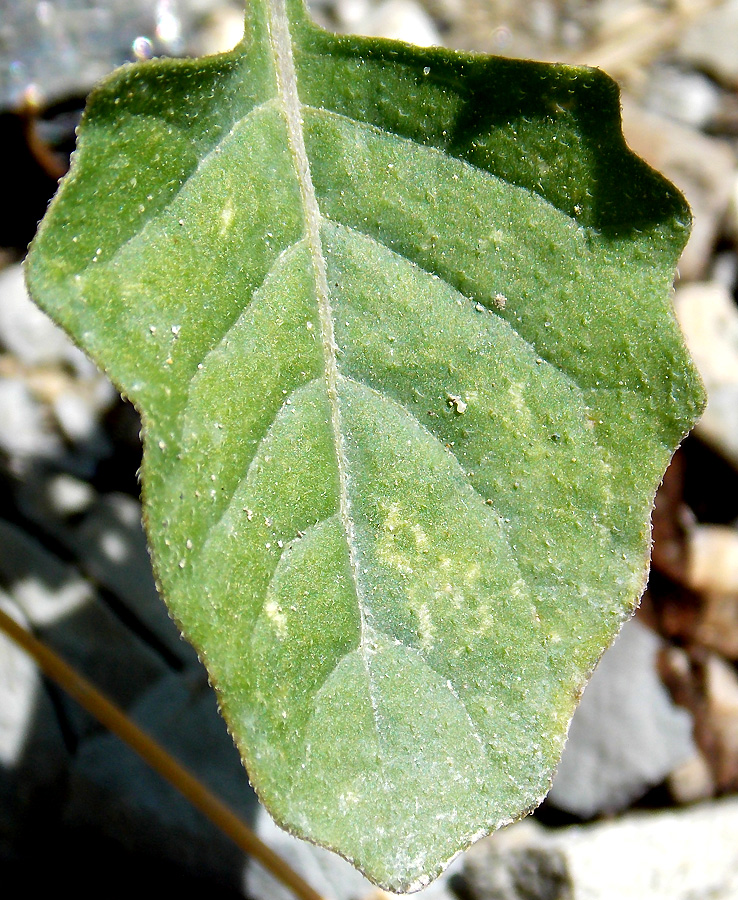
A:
(398, 325)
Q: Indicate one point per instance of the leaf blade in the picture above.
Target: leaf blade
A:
(406, 370)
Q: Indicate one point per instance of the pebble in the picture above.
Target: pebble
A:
(63, 607)
(687, 96)
(721, 689)
(709, 319)
(402, 20)
(626, 734)
(711, 42)
(25, 430)
(717, 625)
(50, 392)
(521, 866)
(712, 559)
(77, 418)
(708, 684)
(111, 546)
(667, 855)
(69, 496)
(692, 781)
(702, 167)
(113, 793)
(28, 333)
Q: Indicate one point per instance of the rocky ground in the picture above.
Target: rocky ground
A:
(644, 804)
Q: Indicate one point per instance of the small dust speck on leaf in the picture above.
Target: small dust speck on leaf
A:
(457, 404)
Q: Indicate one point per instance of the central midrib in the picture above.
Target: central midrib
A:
(281, 43)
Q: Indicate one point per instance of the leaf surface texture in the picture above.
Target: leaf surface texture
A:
(398, 324)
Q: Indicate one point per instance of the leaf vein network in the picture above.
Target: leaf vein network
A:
(231, 500)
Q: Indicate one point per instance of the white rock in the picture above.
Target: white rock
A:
(687, 96)
(19, 684)
(692, 781)
(33, 753)
(29, 333)
(626, 735)
(402, 20)
(76, 416)
(111, 546)
(24, 429)
(69, 496)
(703, 168)
(667, 855)
(221, 31)
(351, 13)
(709, 319)
(712, 558)
(711, 42)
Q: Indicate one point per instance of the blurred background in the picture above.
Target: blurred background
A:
(644, 804)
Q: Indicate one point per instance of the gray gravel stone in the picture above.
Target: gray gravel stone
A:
(33, 755)
(25, 430)
(115, 793)
(529, 872)
(111, 546)
(69, 496)
(687, 96)
(709, 319)
(687, 854)
(28, 333)
(626, 735)
(64, 609)
(702, 167)
(711, 42)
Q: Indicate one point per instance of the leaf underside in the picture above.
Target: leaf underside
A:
(398, 325)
